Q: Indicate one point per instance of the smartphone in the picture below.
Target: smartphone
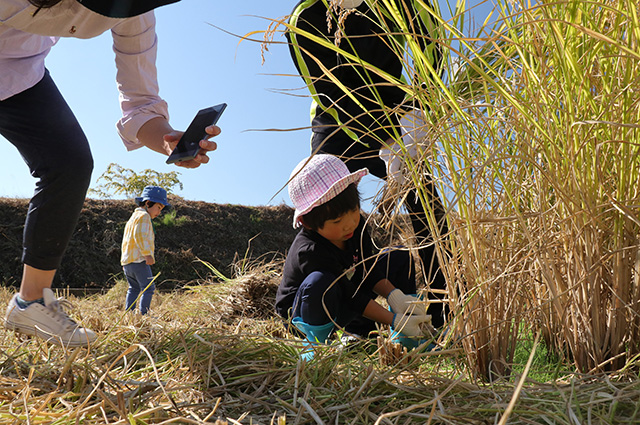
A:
(189, 144)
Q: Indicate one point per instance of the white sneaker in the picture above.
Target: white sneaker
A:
(49, 322)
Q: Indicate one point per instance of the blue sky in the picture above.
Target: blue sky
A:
(199, 64)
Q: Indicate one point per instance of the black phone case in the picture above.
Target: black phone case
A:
(189, 144)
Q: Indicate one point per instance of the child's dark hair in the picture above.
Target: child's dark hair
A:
(345, 201)
(146, 203)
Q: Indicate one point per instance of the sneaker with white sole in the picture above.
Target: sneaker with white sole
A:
(49, 322)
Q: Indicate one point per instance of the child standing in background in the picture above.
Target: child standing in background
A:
(138, 246)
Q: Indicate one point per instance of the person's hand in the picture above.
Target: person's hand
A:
(413, 325)
(206, 146)
(402, 303)
(149, 260)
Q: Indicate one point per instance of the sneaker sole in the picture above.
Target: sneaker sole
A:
(32, 331)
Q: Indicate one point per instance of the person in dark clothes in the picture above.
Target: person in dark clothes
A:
(331, 275)
(356, 112)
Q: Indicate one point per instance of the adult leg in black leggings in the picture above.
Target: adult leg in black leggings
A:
(39, 123)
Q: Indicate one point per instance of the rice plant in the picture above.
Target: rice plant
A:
(554, 95)
(531, 134)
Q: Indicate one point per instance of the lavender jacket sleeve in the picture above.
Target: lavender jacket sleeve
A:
(135, 44)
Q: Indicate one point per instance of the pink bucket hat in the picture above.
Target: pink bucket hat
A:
(318, 179)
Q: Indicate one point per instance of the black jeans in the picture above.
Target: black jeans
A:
(40, 124)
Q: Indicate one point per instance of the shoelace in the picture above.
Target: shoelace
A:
(58, 308)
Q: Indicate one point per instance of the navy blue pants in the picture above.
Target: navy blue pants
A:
(40, 124)
(139, 277)
(320, 299)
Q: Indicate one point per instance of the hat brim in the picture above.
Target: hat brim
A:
(335, 189)
(139, 200)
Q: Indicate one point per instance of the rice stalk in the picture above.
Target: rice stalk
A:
(531, 135)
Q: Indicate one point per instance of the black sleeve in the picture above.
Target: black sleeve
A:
(425, 28)
(352, 93)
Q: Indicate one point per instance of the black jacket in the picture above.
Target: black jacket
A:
(311, 252)
(365, 124)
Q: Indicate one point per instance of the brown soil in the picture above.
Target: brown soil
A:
(230, 238)
(217, 234)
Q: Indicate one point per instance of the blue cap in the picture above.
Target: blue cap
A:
(153, 194)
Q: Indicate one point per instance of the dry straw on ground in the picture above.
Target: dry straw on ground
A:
(198, 358)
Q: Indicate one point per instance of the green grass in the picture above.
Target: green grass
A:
(170, 219)
(547, 365)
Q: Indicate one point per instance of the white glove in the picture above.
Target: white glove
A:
(414, 134)
(408, 325)
(402, 303)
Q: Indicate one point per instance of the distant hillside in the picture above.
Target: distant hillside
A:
(215, 233)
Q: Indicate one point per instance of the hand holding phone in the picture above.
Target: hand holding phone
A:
(189, 144)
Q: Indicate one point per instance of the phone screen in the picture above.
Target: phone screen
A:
(189, 144)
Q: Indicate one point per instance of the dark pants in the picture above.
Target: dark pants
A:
(39, 123)
(320, 299)
(139, 277)
(431, 265)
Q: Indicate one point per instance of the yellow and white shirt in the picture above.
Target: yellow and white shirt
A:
(139, 239)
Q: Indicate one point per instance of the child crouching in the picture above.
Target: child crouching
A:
(331, 276)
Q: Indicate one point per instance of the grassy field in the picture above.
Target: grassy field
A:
(216, 354)
(531, 136)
